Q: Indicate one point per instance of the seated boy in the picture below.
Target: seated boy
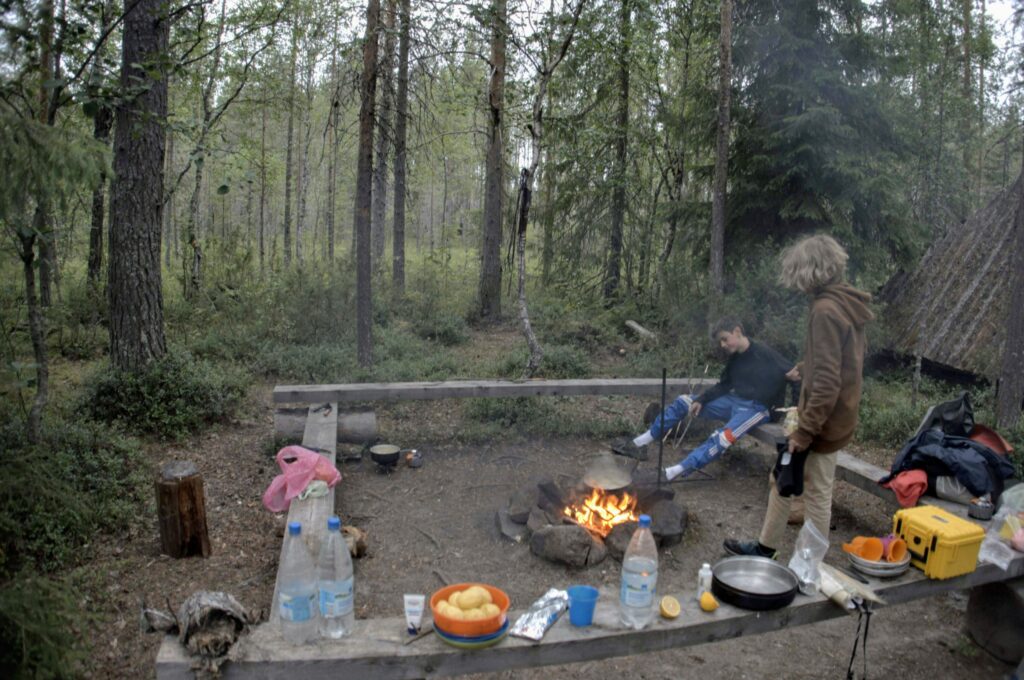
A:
(753, 382)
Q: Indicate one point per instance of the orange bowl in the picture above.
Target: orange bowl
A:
(470, 628)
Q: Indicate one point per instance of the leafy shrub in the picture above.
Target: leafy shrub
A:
(176, 395)
(83, 477)
(38, 617)
(443, 327)
(559, 362)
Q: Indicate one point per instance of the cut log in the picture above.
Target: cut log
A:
(642, 332)
(995, 619)
(353, 428)
(181, 511)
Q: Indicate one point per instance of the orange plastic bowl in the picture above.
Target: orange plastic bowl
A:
(470, 628)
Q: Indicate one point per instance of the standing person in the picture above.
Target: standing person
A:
(753, 383)
(832, 371)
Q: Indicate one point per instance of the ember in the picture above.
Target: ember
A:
(600, 512)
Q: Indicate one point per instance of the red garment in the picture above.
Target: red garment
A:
(908, 486)
(986, 436)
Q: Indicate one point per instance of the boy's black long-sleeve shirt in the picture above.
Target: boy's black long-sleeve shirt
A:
(758, 374)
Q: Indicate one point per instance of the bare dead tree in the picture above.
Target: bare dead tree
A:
(545, 68)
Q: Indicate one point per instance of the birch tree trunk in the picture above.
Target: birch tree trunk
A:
(536, 129)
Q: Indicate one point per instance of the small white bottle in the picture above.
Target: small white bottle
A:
(335, 583)
(297, 595)
(639, 578)
(704, 580)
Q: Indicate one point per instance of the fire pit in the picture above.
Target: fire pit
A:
(579, 525)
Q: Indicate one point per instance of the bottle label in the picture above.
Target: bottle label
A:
(638, 588)
(297, 606)
(336, 597)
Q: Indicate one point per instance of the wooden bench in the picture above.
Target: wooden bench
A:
(378, 649)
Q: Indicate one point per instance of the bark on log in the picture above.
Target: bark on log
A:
(353, 428)
(640, 330)
(181, 511)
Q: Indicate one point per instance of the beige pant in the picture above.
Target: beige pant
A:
(819, 476)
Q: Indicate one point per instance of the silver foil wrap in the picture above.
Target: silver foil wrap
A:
(541, 614)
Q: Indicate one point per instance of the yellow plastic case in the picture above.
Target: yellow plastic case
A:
(940, 543)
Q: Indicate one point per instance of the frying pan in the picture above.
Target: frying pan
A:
(752, 582)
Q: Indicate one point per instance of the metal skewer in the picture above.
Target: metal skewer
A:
(661, 440)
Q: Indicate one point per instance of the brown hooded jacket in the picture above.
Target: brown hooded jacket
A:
(832, 368)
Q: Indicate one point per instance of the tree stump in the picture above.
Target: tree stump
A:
(181, 511)
(995, 619)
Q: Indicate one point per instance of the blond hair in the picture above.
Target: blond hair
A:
(812, 263)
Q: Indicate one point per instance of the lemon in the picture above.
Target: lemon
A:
(708, 602)
(670, 607)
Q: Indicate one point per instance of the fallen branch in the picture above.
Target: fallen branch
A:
(641, 331)
(434, 540)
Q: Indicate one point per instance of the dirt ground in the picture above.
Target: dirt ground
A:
(438, 522)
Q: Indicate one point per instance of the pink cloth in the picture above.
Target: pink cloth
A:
(299, 467)
(908, 487)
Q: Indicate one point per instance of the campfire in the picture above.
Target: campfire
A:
(600, 512)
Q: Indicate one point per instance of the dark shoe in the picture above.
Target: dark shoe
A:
(624, 446)
(754, 548)
(649, 477)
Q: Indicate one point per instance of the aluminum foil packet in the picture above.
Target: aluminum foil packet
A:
(541, 615)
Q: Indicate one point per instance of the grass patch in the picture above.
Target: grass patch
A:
(491, 418)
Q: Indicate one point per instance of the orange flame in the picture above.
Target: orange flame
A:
(600, 512)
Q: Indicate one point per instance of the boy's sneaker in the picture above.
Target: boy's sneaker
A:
(754, 548)
(624, 446)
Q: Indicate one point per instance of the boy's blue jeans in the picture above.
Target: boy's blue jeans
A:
(740, 416)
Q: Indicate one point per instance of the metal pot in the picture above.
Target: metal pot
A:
(606, 473)
(753, 582)
(385, 454)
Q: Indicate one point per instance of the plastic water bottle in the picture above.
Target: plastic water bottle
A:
(335, 583)
(639, 577)
(704, 577)
(297, 595)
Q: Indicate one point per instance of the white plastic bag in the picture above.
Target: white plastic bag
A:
(1013, 499)
(994, 549)
(810, 550)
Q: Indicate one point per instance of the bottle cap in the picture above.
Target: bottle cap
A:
(645, 521)
(706, 566)
(294, 528)
(333, 523)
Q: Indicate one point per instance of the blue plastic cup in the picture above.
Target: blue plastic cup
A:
(582, 600)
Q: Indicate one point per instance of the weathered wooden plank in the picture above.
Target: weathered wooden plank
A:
(376, 649)
(458, 389)
(321, 434)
